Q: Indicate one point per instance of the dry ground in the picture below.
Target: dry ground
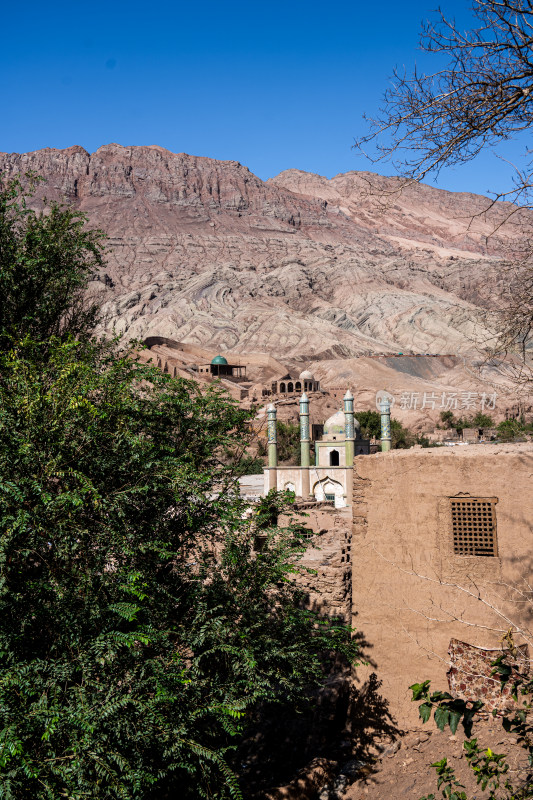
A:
(404, 770)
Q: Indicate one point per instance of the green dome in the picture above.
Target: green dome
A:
(219, 360)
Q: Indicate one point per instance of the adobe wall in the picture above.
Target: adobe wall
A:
(328, 556)
(411, 593)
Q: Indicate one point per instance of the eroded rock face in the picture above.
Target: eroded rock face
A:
(205, 252)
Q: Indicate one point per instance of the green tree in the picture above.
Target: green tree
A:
(509, 429)
(447, 419)
(482, 421)
(401, 438)
(138, 628)
(370, 422)
(46, 261)
(288, 442)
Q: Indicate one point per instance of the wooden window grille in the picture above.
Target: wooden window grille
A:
(474, 526)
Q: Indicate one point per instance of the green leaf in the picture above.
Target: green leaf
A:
(442, 717)
(455, 718)
(127, 611)
(419, 690)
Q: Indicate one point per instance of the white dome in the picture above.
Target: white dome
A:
(335, 424)
(306, 375)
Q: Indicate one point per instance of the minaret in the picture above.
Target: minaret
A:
(272, 438)
(349, 428)
(384, 407)
(305, 444)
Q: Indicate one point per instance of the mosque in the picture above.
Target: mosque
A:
(330, 478)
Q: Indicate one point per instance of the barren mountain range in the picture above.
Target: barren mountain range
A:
(299, 266)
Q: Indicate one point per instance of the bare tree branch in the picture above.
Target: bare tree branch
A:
(483, 97)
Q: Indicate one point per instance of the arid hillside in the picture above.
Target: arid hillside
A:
(301, 267)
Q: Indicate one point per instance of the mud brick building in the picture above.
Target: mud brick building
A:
(442, 550)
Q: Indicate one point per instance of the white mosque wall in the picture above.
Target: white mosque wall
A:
(325, 450)
(286, 478)
(330, 481)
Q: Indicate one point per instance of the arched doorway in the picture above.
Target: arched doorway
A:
(334, 458)
(328, 489)
(282, 388)
(298, 387)
(290, 388)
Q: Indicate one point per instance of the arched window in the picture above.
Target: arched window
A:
(290, 388)
(298, 387)
(282, 388)
(334, 458)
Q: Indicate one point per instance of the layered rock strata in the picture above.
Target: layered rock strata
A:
(203, 251)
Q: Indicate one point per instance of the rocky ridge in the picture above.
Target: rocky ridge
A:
(203, 251)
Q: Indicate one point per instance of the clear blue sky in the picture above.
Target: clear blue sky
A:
(273, 86)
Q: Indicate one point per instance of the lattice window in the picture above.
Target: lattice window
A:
(474, 526)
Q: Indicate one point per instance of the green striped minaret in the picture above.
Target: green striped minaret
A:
(305, 444)
(272, 440)
(384, 408)
(349, 429)
(305, 440)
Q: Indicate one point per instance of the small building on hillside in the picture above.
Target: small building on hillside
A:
(219, 368)
(479, 434)
(289, 385)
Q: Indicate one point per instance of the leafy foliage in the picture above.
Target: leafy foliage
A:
(288, 442)
(138, 629)
(46, 260)
(370, 422)
(511, 429)
(243, 463)
(446, 709)
(448, 419)
(480, 420)
(490, 769)
(447, 782)
(401, 438)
